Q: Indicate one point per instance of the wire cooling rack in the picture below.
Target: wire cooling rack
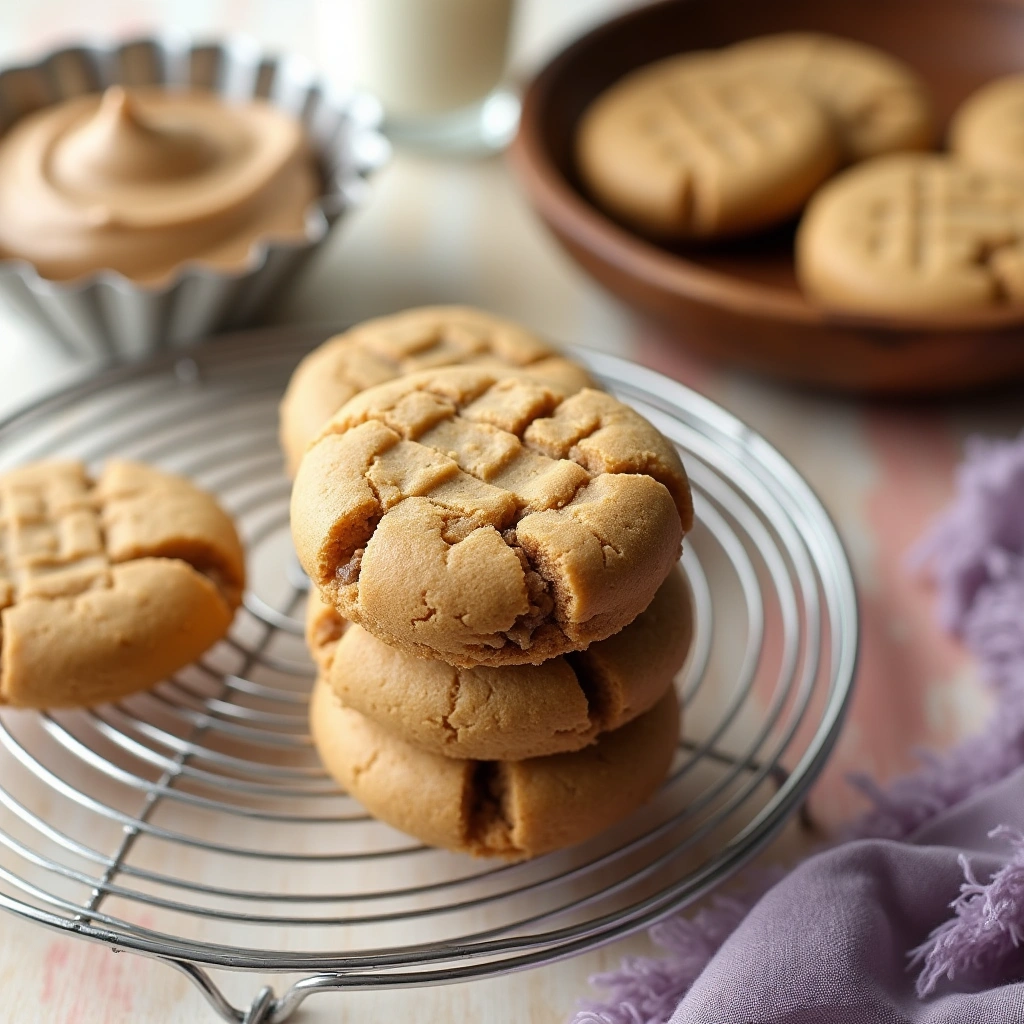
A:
(193, 823)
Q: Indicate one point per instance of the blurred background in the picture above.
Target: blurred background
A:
(433, 230)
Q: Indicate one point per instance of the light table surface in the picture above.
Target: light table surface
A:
(437, 231)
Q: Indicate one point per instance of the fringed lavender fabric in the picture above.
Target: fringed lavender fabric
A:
(982, 531)
(646, 990)
(987, 927)
(975, 554)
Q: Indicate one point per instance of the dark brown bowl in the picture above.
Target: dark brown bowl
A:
(739, 301)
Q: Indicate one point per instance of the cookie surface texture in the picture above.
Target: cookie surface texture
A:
(515, 712)
(107, 586)
(513, 809)
(691, 148)
(481, 519)
(417, 339)
(988, 129)
(913, 235)
(876, 103)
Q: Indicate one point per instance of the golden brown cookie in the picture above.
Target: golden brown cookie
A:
(691, 147)
(486, 520)
(913, 235)
(379, 350)
(988, 129)
(511, 809)
(324, 628)
(515, 712)
(108, 586)
(876, 103)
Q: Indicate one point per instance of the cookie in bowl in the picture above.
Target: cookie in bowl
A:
(108, 585)
(988, 128)
(914, 235)
(876, 103)
(696, 146)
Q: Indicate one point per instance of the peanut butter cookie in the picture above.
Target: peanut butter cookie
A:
(698, 147)
(461, 515)
(511, 713)
(875, 102)
(914, 235)
(510, 809)
(988, 129)
(417, 339)
(107, 586)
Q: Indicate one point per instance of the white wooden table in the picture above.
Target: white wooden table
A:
(459, 231)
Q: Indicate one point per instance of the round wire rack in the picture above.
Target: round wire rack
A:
(193, 823)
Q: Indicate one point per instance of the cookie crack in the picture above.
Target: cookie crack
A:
(582, 485)
(348, 560)
(348, 572)
(370, 482)
(454, 688)
(430, 613)
(606, 545)
(359, 770)
(596, 692)
(539, 449)
(489, 825)
(538, 594)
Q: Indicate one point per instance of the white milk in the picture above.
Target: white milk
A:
(422, 58)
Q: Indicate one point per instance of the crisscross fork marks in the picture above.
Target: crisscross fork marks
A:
(431, 338)
(493, 453)
(470, 461)
(944, 220)
(408, 342)
(719, 120)
(462, 512)
(52, 540)
(108, 585)
(914, 234)
(61, 532)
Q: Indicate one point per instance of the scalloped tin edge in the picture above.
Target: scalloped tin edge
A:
(105, 314)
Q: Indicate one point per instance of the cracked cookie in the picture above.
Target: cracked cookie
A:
(510, 809)
(988, 129)
(515, 712)
(913, 235)
(108, 585)
(875, 102)
(482, 519)
(696, 146)
(379, 350)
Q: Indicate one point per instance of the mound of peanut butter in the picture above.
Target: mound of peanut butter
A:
(141, 180)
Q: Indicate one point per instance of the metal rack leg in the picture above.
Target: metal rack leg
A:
(262, 1007)
(265, 1009)
(214, 996)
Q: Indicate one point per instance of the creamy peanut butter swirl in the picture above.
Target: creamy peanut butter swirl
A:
(141, 181)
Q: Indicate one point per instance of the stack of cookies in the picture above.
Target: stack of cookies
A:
(498, 614)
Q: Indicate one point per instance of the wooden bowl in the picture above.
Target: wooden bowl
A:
(739, 301)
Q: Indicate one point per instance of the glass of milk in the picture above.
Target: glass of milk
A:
(437, 68)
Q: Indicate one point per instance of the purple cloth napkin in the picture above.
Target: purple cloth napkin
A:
(919, 916)
(830, 942)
